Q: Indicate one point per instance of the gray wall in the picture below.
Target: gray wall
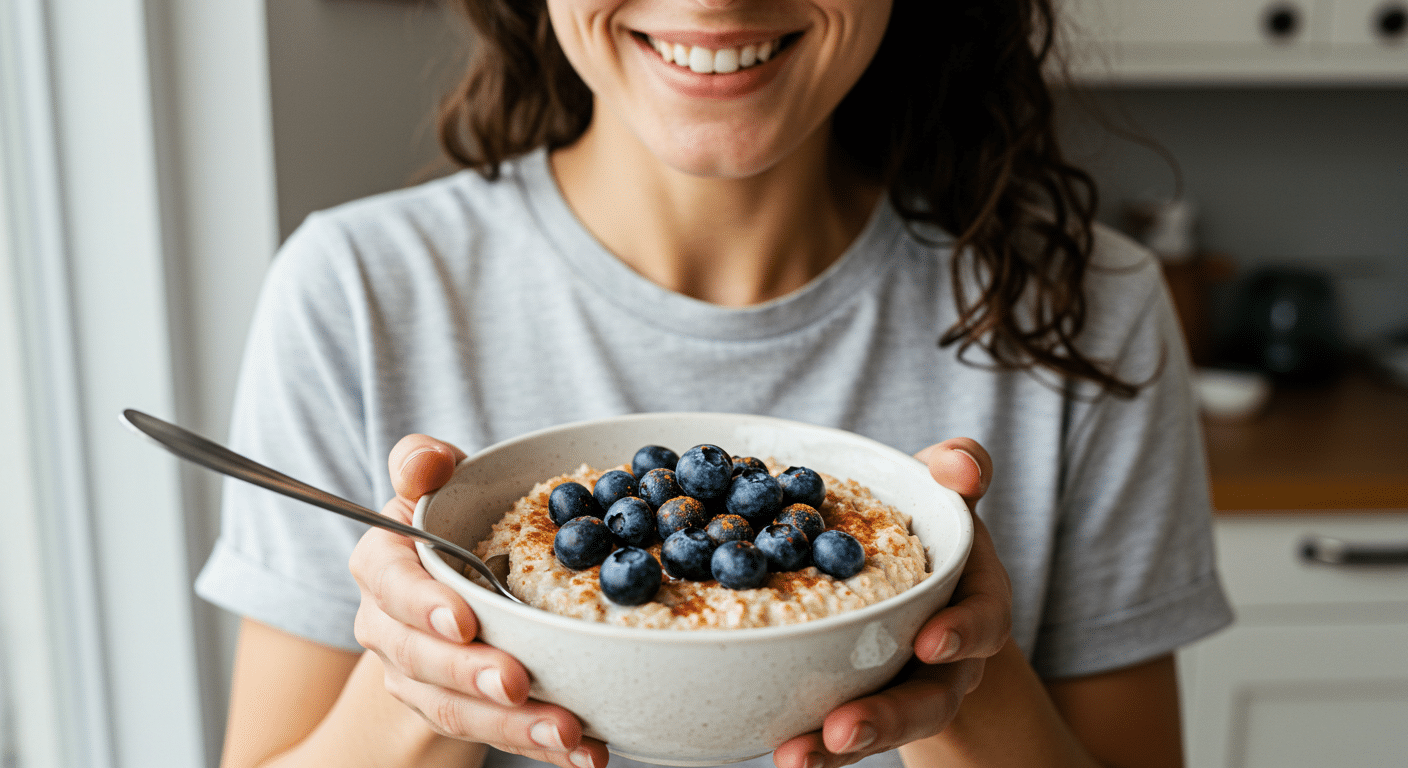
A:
(354, 86)
(1313, 176)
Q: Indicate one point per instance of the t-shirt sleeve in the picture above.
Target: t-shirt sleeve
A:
(1133, 571)
(298, 409)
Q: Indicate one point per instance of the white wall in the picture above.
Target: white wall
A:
(153, 154)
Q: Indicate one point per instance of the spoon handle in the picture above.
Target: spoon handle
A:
(211, 455)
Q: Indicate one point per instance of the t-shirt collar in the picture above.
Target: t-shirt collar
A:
(864, 262)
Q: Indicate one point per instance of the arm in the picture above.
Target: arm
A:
(295, 702)
(1127, 718)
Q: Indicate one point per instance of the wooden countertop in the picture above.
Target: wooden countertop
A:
(1340, 447)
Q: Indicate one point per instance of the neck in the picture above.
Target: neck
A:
(728, 241)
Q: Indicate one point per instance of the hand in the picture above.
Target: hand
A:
(950, 649)
(423, 631)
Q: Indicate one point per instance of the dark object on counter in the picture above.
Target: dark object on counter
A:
(1286, 323)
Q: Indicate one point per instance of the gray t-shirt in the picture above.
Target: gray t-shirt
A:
(476, 311)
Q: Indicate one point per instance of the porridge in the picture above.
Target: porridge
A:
(791, 588)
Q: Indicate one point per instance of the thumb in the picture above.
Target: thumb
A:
(420, 464)
(960, 464)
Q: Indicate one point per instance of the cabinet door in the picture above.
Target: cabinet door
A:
(1197, 23)
(1288, 696)
(1380, 23)
(1234, 41)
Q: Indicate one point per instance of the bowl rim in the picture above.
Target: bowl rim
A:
(435, 563)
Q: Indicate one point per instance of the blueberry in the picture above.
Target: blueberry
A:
(729, 528)
(743, 464)
(838, 554)
(659, 486)
(613, 486)
(785, 547)
(630, 576)
(756, 496)
(653, 457)
(631, 520)
(704, 471)
(803, 517)
(686, 555)
(582, 542)
(802, 486)
(739, 565)
(679, 513)
(572, 500)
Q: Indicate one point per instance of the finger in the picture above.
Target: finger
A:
(390, 575)
(419, 464)
(960, 464)
(921, 706)
(588, 754)
(978, 620)
(543, 731)
(805, 751)
(476, 669)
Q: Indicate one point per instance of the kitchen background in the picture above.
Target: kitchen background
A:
(155, 153)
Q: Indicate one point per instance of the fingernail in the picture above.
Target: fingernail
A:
(814, 760)
(862, 737)
(415, 453)
(443, 620)
(491, 684)
(973, 459)
(582, 758)
(948, 648)
(545, 735)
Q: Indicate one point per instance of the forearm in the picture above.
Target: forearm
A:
(1009, 720)
(368, 727)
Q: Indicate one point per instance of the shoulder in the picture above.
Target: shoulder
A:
(1124, 294)
(395, 239)
(434, 214)
(1121, 272)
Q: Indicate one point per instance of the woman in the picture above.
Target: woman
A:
(835, 210)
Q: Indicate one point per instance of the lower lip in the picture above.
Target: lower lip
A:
(733, 85)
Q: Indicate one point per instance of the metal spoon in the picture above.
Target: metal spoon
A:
(212, 455)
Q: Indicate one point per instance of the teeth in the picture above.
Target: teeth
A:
(726, 60)
(701, 60)
(708, 61)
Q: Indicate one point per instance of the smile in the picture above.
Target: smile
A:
(708, 61)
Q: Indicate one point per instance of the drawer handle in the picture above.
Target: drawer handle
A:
(1323, 550)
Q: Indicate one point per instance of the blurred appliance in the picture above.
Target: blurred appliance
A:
(1286, 323)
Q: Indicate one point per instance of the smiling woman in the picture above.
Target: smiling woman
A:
(845, 212)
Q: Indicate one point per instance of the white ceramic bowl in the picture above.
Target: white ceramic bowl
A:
(704, 697)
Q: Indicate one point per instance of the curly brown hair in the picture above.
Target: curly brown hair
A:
(955, 117)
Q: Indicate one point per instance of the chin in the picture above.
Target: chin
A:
(721, 153)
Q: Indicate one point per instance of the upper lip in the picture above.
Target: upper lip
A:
(715, 40)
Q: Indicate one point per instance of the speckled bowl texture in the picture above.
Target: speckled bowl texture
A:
(705, 697)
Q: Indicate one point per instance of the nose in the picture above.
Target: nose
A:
(716, 4)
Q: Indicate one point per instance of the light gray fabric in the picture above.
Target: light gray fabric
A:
(477, 311)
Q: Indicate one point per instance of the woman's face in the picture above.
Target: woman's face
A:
(722, 88)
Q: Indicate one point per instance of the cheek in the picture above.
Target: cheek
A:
(583, 31)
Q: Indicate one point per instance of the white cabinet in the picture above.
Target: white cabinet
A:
(1315, 670)
(1236, 41)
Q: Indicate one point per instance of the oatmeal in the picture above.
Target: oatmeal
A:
(894, 561)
